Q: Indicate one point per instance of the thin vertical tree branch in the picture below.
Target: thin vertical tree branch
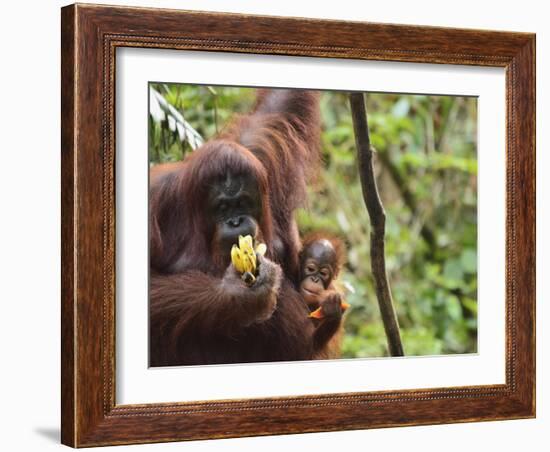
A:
(378, 223)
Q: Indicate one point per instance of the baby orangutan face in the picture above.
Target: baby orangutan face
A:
(318, 264)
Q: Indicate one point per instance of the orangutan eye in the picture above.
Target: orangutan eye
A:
(310, 268)
(324, 273)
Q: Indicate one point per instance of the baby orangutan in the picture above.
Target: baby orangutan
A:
(321, 259)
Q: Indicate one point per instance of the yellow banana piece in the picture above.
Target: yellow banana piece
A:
(245, 243)
(243, 257)
(236, 259)
(250, 260)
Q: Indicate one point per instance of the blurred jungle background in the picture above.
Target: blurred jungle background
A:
(426, 169)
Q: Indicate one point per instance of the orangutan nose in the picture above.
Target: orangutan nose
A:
(235, 222)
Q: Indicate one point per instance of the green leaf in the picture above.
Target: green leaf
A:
(453, 308)
(470, 304)
(452, 269)
(468, 260)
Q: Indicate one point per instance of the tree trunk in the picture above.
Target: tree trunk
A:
(378, 223)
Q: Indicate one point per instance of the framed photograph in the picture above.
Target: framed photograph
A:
(282, 225)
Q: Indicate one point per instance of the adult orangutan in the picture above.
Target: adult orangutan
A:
(247, 181)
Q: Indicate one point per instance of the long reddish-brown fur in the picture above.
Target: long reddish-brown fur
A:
(329, 331)
(284, 134)
(197, 315)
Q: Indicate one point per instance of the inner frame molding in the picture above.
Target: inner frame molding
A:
(135, 383)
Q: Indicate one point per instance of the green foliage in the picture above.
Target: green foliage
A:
(426, 168)
(205, 108)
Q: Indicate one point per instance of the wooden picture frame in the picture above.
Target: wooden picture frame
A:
(90, 36)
